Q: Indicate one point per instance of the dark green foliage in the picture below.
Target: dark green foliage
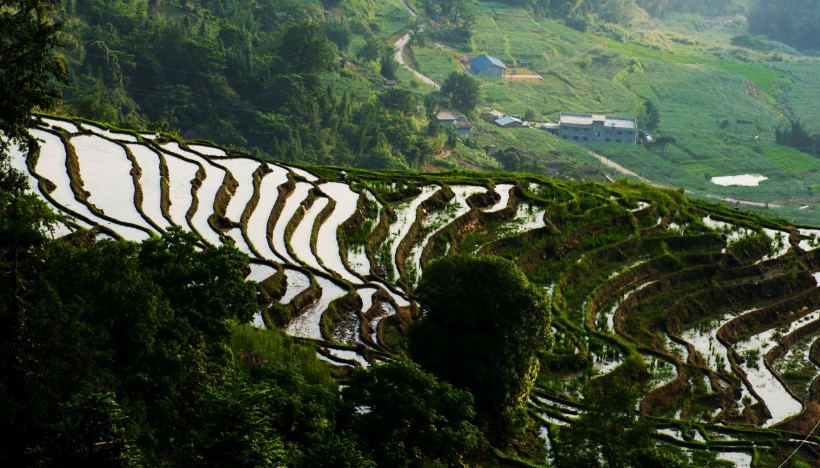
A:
(709, 8)
(208, 286)
(461, 91)
(577, 13)
(89, 430)
(797, 136)
(649, 116)
(258, 75)
(388, 66)
(339, 33)
(406, 417)
(236, 428)
(143, 327)
(610, 430)
(305, 48)
(460, 12)
(791, 21)
(484, 327)
(28, 35)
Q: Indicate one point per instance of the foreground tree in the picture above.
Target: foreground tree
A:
(484, 328)
(611, 433)
(461, 91)
(411, 418)
(28, 36)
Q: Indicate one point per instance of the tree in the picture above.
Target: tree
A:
(483, 329)
(662, 142)
(406, 416)
(388, 65)
(461, 90)
(611, 430)
(306, 49)
(791, 21)
(28, 36)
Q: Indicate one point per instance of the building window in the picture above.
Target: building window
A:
(565, 137)
(575, 138)
(607, 140)
(585, 138)
(619, 132)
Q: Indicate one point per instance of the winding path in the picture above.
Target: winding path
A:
(399, 53)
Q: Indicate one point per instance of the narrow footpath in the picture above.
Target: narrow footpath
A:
(399, 54)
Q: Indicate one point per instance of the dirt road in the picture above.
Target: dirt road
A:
(399, 54)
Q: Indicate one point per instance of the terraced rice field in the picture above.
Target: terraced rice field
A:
(715, 313)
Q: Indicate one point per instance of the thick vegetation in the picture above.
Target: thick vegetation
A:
(262, 75)
(791, 21)
(27, 37)
(563, 322)
(482, 313)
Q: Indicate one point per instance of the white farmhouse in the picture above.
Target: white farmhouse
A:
(597, 128)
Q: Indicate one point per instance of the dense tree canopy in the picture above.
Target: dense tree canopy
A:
(406, 416)
(791, 21)
(703, 7)
(28, 35)
(483, 329)
(461, 91)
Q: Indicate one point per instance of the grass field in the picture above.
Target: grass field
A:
(720, 104)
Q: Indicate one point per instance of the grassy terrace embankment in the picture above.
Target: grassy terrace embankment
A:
(646, 286)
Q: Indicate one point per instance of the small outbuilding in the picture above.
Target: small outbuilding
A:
(484, 65)
(455, 119)
(509, 122)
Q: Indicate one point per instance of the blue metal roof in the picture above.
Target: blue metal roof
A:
(506, 120)
(485, 61)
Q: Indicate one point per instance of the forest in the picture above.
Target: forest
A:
(793, 22)
(261, 75)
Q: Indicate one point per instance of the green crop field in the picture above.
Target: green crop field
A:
(720, 104)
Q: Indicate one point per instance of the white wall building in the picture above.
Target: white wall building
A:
(595, 128)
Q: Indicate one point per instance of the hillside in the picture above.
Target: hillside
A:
(685, 78)
(709, 310)
(689, 71)
(271, 247)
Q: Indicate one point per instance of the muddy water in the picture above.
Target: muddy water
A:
(258, 220)
(405, 217)
(260, 272)
(438, 220)
(300, 242)
(303, 173)
(242, 170)
(150, 183)
(67, 126)
(205, 194)
(779, 401)
(504, 191)
(208, 150)
(111, 135)
(348, 355)
(52, 165)
(327, 241)
(235, 234)
(732, 232)
(386, 311)
(181, 174)
(704, 339)
(292, 204)
(746, 180)
(307, 323)
(296, 283)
